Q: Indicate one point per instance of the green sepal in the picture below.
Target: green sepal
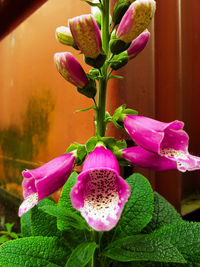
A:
(119, 10)
(119, 114)
(116, 45)
(120, 60)
(108, 118)
(81, 152)
(94, 74)
(89, 89)
(96, 62)
(91, 144)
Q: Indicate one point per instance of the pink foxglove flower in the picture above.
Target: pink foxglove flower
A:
(135, 20)
(42, 182)
(70, 69)
(161, 142)
(100, 193)
(86, 35)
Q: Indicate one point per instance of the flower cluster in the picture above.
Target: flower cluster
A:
(100, 193)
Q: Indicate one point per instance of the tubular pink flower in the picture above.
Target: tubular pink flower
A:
(86, 35)
(138, 44)
(167, 140)
(135, 20)
(42, 182)
(100, 193)
(70, 69)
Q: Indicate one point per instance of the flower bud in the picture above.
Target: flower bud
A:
(135, 20)
(64, 36)
(96, 13)
(119, 10)
(138, 44)
(70, 69)
(86, 35)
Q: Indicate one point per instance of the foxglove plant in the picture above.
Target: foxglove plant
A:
(103, 219)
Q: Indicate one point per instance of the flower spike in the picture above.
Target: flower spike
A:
(42, 182)
(100, 193)
(159, 141)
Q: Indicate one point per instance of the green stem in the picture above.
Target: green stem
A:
(105, 35)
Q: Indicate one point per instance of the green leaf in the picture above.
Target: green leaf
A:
(43, 224)
(65, 200)
(91, 143)
(9, 226)
(33, 251)
(92, 4)
(164, 214)
(85, 109)
(14, 235)
(69, 219)
(116, 77)
(185, 236)
(143, 248)
(138, 210)
(4, 238)
(66, 205)
(25, 222)
(81, 255)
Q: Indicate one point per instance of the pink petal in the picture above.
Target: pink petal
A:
(142, 158)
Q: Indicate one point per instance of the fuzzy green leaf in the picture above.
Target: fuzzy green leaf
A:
(164, 214)
(138, 210)
(185, 236)
(4, 238)
(67, 219)
(65, 200)
(66, 205)
(43, 224)
(143, 248)
(25, 222)
(81, 255)
(33, 251)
